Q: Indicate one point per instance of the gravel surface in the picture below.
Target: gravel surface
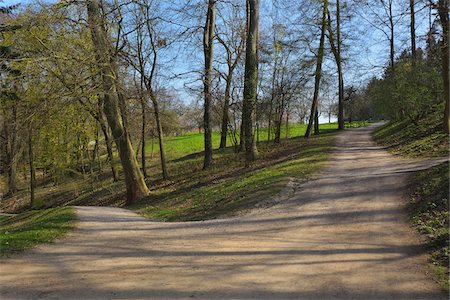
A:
(344, 235)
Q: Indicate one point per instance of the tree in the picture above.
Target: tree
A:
(134, 180)
(314, 115)
(145, 51)
(336, 49)
(208, 51)
(443, 7)
(412, 28)
(250, 81)
(233, 41)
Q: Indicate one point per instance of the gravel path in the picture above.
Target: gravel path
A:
(342, 236)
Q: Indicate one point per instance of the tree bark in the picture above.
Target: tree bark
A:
(316, 123)
(318, 74)
(226, 107)
(443, 7)
(108, 144)
(143, 127)
(134, 180)
(208, 51)
(339, 66)
(336, 49)
(31, 165)
(391, 39)
(413, 31)
(11, 145)
(162, 153)
(251, 81)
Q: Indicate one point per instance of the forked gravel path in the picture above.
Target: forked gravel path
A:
(342, 236)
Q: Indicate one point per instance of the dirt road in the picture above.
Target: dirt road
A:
(342, 236)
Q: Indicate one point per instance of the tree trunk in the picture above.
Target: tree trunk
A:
(413, 32)
(241, 137)
(316, 123)
(226, 106)
(144, 122)
(162, 153)
(339, 66)
(208, 51)
(11, 148)
(391, 39)
(314, 106)
(287, 124)
(31, 165)
(134, 181)
(443, 6)
(251, 81)
(108, 144)
(336, 49)
(272, 94)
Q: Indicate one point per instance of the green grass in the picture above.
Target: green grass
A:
(179, 146)
(28, 229)
(430, 213)
(404, 138)
(227, 188)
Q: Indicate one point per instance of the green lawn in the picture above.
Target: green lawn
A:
(34, 227)
(179, 146)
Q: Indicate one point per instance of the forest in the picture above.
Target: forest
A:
(193, 110)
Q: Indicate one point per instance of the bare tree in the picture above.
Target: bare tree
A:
(208, 51)
(314, 115)
(233, 42)
(143, 58)
(336, 49)
(134, 180)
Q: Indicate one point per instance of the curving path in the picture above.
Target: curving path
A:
(342, 236)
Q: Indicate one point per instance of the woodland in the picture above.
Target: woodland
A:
(194, 110)
(87, 85)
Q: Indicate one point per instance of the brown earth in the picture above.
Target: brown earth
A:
(344, 235)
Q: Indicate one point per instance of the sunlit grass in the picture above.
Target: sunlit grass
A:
(34, 227)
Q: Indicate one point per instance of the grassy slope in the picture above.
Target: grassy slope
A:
(183, 152)
(195, 194)
(429, 196)
(404, 138)
(28, 229)
(430, 213)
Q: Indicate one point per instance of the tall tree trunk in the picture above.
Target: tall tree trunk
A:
(241, 137)
(208, 51)
(287, 124)
(134, 181)
(143, 127)
(226, 107)
(272, 94)
(11, 148)
(251, 81)
(336, 49)
(162, 153)
(443, 7)
(108, 144)
(318, 74)
(316, 123)
(339, 63)
(413, 31)
(31, 165)
(391, 38)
